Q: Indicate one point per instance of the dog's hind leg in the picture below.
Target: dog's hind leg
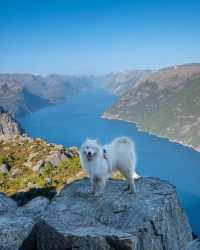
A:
(131, 183)
(131, 186)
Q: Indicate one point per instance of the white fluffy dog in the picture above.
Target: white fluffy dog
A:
(99, 162)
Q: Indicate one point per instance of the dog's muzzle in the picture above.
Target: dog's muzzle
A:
(90, 156)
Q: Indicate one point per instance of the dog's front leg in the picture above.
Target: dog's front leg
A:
(93, 189)
(100, 188)
(97, 184)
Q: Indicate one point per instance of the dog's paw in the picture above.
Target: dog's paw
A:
(127, 188)
(91, 192)
(94, 193)
(132, 192)
(98, 194)
(82, 194)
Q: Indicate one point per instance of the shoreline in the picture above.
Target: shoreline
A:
(116, 117)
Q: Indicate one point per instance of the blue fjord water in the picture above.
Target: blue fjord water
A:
(70, 122)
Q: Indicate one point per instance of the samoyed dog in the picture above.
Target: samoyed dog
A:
(100, 162)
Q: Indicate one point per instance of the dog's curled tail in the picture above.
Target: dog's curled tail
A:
(129, 145)
(136, 176)
(124, 140)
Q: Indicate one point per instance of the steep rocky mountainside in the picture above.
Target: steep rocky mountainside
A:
(15, 97)
(75, 219)
(165, 103)
(24, 93)
(8, 125)
(58, 87)
(118, 83)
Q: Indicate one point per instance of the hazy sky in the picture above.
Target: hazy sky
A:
(97, 36)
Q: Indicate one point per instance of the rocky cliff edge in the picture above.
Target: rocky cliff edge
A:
(75, 219)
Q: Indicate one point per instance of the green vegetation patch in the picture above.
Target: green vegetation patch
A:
(21, 176)
(171, 112)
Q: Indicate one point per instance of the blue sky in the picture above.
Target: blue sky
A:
(97, 36)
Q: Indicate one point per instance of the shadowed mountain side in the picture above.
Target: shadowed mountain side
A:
(21, 94)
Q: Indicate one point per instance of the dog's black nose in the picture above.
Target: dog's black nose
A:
(89, 153)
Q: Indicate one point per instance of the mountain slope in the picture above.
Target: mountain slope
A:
(165, 103)
(118, 83)
(24, 93)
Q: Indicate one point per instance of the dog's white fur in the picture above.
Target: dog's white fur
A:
(100, 162)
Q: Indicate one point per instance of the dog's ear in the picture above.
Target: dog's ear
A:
(98, 141)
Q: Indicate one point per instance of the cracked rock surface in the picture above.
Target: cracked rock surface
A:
(151, 219)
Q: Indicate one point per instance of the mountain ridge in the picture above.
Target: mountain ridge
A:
(163, 102)
(42, 91)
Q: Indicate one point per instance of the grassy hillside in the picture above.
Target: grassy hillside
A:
(21, 154)
(166, 104)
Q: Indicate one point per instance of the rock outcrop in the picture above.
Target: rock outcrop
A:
(17, 223)
(14, 231)
(7, 205)
(8, 125)
(56, 157)
(4, 168)
(75, 219)
(152, 219)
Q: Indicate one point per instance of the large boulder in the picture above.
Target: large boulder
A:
(16, 233)
(72, 152)
(38, 166)
(55, 158)
(7, 205)
(151, 219)
(4, 168)
(17, 224)
(34, 208)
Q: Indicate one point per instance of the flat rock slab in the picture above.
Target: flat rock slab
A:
(34, 208)
(7, 205)
(17, 224)
(151, 219)
(16, 233)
